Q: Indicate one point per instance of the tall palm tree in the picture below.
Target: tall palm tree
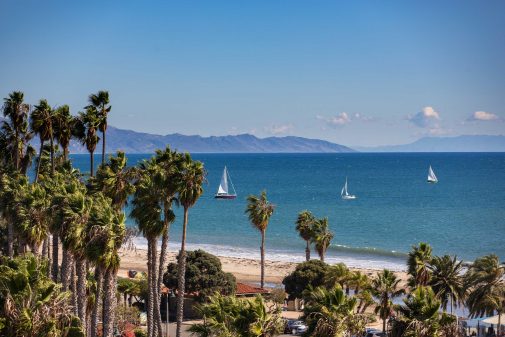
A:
(418, 263)
(146, 211)
(64, 128)
(73, 209)
(89, 122)
(105, 234)
(41, 122)
(447, 280)
(322, 237)
(189, 187)
(304, 226)
(165, 169)
(100, 102)
(15, 127)
(486, 279)
(385, 287)
(259, 210)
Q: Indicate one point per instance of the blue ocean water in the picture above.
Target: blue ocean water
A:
(463, 214)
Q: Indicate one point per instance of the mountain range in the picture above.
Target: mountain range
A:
(137, 142)
(473, 143)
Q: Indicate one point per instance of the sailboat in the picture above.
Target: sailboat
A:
(345, 194)
(432, 178)
(223, 191)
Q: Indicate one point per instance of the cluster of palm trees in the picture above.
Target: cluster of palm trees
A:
(86, 215)
(435, 284)
(314, 231)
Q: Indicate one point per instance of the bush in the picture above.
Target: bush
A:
(311, 273)
(204, 275)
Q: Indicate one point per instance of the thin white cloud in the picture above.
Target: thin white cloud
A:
(337, 120)
(279, 129)
(483, 116)
(426, 118)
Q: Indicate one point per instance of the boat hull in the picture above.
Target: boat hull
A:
(432, 181)
(217, 196)
(349, 197)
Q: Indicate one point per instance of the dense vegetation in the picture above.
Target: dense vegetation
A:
(84, 215)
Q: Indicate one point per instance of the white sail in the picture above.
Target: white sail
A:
(345, 194)
(223, 186)
(431, 176)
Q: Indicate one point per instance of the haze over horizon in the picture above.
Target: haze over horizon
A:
(358, 74)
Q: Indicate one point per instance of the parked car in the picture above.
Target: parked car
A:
(298, 327)
(372, 332)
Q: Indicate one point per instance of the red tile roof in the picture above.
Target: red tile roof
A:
(245, 289)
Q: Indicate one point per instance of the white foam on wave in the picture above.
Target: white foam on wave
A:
(363, 262)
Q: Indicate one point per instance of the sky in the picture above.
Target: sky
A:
(358, 73)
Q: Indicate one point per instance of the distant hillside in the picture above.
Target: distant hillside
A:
(138, 142)
(479, 143)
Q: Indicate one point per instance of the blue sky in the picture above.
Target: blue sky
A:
(356, 73)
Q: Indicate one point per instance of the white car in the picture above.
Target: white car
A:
(298, 328)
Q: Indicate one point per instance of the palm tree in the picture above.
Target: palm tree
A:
(420, 313)
(64, 128)
(146, 211)
(304, 226)
(32, 215)
(105, 234)
(33, 305)
(165, 167)
(418, 263)
(329, 312)
(322, 237)
(486, 279)
(15, 128)
(338, 274)
(100, 103)
(359, 281)
(385, 288)
(73, 210)
(231, 316)
(115, 180)
(41, 122)
(447, 280)
(259, 210)
(89, 121)
(189, 187)
(11, 185)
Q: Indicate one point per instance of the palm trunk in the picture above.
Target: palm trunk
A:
(54, 268)
(51, 142)
(262, 282)
(91, 164)
(163, 256)
(65, 153)
(150, 295)
(80, 268)
(35, 249)
(384, 325)
(103, 146)
(156, 321)
(73, 288)
(98, 296)
(40, 159)
(182, 275)
(10, 238)
(45, 244)
(66, 263)
(307, 251)
(109, 303)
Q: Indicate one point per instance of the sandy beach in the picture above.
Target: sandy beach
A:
(245, 270)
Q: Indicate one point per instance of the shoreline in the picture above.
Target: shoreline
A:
(246, 270)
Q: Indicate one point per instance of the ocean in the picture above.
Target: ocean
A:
(463, 214)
